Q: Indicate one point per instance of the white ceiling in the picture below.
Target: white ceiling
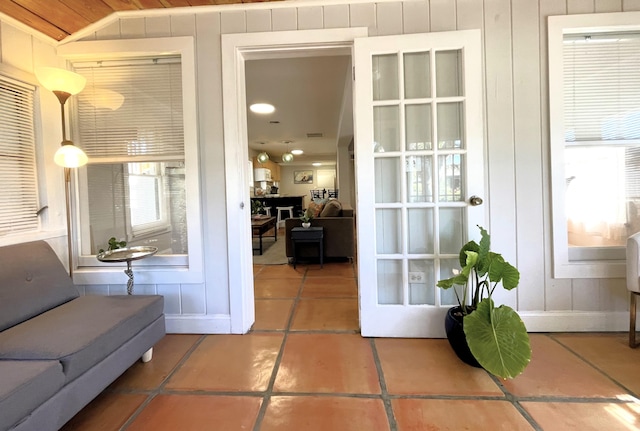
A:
(308, 94)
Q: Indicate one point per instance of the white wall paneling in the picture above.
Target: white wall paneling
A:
(310, 18)
(516, 131)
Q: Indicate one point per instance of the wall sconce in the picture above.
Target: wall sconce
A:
(262, 157)
(64, 84)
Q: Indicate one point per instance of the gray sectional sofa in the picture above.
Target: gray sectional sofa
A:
(58, 350)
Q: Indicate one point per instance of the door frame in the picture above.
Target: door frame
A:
(236, 49)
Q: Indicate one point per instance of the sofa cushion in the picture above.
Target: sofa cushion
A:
(32, 281)
(82, 332)
(331, 209)
(24, 385)
(315, 209)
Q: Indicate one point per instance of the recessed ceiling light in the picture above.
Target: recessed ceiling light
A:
(296, 152)
(262, 108)
(316, 164)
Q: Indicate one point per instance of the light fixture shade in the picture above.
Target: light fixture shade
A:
(70, 156)
(296, 152)
(262, 157)
(55, 79)
(262, 108)
(287, 157)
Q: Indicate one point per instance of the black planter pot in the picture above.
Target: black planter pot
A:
(457, 339)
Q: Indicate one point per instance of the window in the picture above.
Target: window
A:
(594, 83)
(137, 121)
(19, 199)
(130, 121)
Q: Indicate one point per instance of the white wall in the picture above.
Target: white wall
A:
(516, 132)
(288, 187)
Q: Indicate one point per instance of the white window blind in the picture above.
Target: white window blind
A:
(18, 199)
(131, 109)
(602, 87)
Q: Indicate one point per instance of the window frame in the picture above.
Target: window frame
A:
(158, 269)
(558, 27)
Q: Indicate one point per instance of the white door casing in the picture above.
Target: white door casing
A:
(419, 159)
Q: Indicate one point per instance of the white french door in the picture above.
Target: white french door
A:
(419, 163)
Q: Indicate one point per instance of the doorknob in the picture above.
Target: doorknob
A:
(475, 201)
(241, 205)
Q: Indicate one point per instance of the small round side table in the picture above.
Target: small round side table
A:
(127, 255)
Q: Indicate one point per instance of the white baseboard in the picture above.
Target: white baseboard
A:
(575, 321)
(207, 324)
(535, 321)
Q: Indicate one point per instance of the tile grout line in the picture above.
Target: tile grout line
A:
(592, 365)
(266, 398)
(384, 394)
(160, 389)
(515, 402)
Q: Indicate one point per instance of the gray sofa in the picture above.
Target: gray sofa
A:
(58, 350)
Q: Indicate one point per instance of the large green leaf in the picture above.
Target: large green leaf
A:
(498, 339)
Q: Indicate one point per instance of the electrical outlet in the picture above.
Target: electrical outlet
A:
(417, 277)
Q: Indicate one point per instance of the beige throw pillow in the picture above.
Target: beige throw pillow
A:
(331, 209)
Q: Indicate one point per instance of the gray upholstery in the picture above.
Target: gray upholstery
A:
(68, 348)
(24, 386)
(32, 280)
(81, 332)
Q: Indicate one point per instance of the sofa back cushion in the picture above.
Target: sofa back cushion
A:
(332, 208)
(32, 281)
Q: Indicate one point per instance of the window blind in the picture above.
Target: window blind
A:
(18, 199)
(131, 109)
(602, 87)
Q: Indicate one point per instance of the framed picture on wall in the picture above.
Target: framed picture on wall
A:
(303, 177)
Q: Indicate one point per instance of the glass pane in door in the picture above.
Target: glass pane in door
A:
(417, 76)
(386, 128)
(418, 127)
(389, 281)
(421, 282)
(419, 179)
(387, 179)
(450, 168)
(450, 124)
(388, 231)
(385, 77)
(449, 73)
(420, 225)
(452, 227)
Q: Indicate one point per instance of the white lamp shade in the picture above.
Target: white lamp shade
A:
(55, 79)
(70, 156)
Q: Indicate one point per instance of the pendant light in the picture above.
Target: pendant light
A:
(262, 157)
(287, 157)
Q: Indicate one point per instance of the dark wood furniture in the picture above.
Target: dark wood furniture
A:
(261, 226)
(297, 202)
(310, 235)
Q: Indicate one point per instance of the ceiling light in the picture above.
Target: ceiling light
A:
(262, 108)
(296, 152)
(262, 157)
(316, 164)
(287, 157)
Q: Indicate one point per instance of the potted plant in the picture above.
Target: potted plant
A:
(496, 336)
(306, 218)
(114, 244)
(256, 208)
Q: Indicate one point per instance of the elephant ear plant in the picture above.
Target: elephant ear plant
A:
(496, 336)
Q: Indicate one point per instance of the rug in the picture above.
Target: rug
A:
(273, 252)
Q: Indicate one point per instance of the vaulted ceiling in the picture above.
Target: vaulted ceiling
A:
(61, 18)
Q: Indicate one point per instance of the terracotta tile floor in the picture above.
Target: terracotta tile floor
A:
(304, 367)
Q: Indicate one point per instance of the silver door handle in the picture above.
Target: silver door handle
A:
(475, 201)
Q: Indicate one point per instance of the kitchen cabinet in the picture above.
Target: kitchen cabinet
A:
(271, 165)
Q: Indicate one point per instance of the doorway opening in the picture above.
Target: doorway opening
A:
(238, 50)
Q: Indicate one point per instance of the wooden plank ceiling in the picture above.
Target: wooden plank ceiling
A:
(60, 18)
